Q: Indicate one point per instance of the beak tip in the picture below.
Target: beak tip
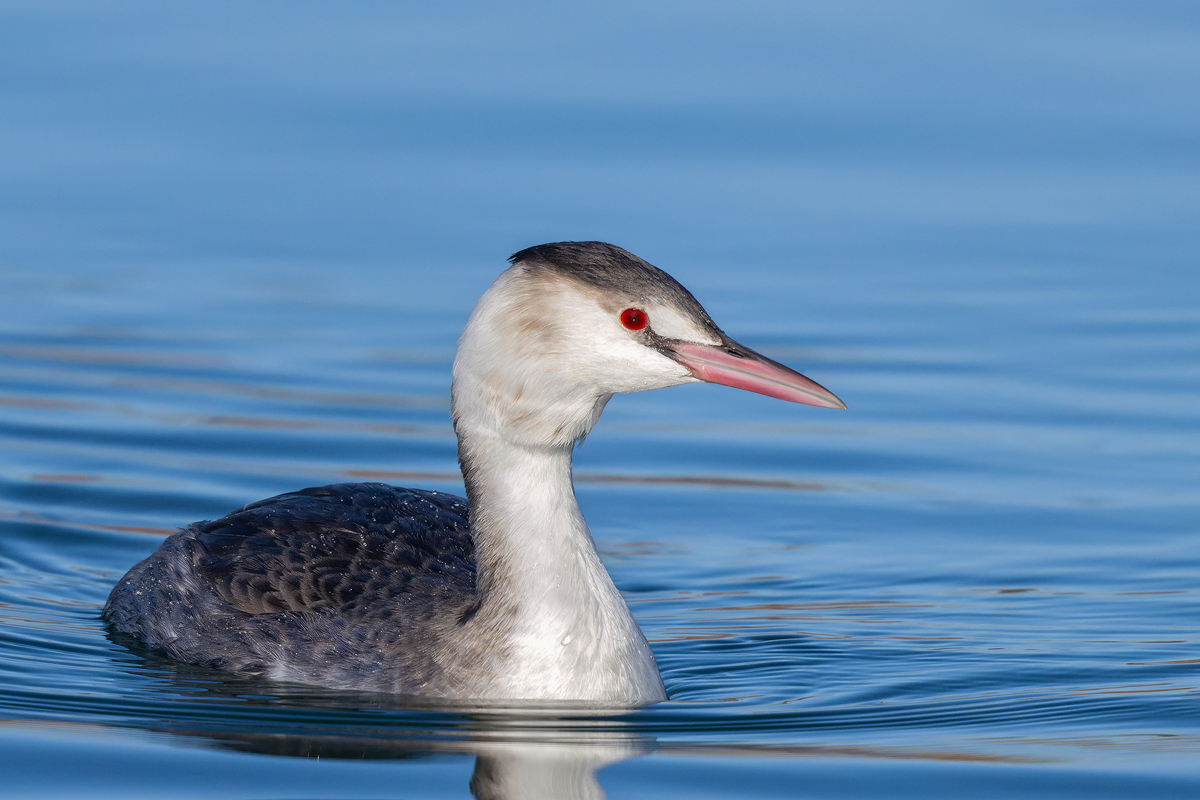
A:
(830, 401)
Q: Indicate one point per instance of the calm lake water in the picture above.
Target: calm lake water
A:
(238, 244)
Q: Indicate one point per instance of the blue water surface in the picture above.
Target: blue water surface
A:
(238, 243)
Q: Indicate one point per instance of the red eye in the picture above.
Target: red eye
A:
(634, 319)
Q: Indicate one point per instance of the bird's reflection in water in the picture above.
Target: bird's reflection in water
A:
(530, 770)
(520, 752)
(505, 768)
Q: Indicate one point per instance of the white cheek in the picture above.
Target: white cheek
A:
(666, 321)
(643, 368)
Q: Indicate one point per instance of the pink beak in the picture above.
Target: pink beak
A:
(742, 368)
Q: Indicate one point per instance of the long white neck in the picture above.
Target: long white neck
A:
(529, 382)
(562, 629)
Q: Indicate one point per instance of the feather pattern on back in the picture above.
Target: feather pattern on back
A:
(347, 585)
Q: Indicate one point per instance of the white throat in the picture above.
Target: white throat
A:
(564, 631)
(561, 629)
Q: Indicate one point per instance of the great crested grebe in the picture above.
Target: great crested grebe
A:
(497, 597)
